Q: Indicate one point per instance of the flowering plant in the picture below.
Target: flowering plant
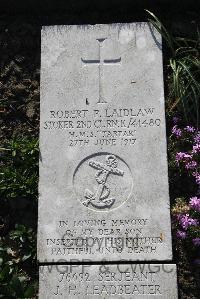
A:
(186, 211)
(187, 218)
(189, 160)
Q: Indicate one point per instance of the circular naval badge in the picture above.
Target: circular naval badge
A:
(103, 181)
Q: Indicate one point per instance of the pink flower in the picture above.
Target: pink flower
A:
(197, 137)
(196, 149)
(195, 203)
(176, 119)
(191, 165)
(184, 157)
(186, 221)
(181, 234)
(176, 131)
(190, 129)
(196, 241)
(197, 177)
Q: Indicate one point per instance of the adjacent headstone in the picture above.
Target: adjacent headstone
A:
(103, 167)
(109, 281)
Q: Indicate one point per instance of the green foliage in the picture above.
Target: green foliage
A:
(18, 199)
(17, 252)
(19, 171)
(184, 76)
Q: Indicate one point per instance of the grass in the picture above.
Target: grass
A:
(184, 73)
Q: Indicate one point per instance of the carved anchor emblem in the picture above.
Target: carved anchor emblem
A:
(100, 199)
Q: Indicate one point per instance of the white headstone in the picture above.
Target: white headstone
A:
(103, 169)
(108, 281)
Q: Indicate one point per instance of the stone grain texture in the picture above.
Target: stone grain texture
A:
(103, 169)
(111, 281)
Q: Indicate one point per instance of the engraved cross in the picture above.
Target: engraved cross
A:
(101, 62)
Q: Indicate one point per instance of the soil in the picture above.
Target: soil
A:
(19, 89)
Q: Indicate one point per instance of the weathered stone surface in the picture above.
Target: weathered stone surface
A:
(109, 281)
(103, 170)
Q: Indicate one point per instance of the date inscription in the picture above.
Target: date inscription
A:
(102, 127)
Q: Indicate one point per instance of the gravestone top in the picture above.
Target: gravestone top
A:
(103, 170)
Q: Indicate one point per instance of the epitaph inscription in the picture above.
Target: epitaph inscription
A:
(103, 170)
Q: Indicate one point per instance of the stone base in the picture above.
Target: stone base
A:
(129, 281)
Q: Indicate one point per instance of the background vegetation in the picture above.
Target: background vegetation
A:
(19, 120)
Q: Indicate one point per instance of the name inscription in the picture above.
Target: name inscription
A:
(102, 127)
(114, 281)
